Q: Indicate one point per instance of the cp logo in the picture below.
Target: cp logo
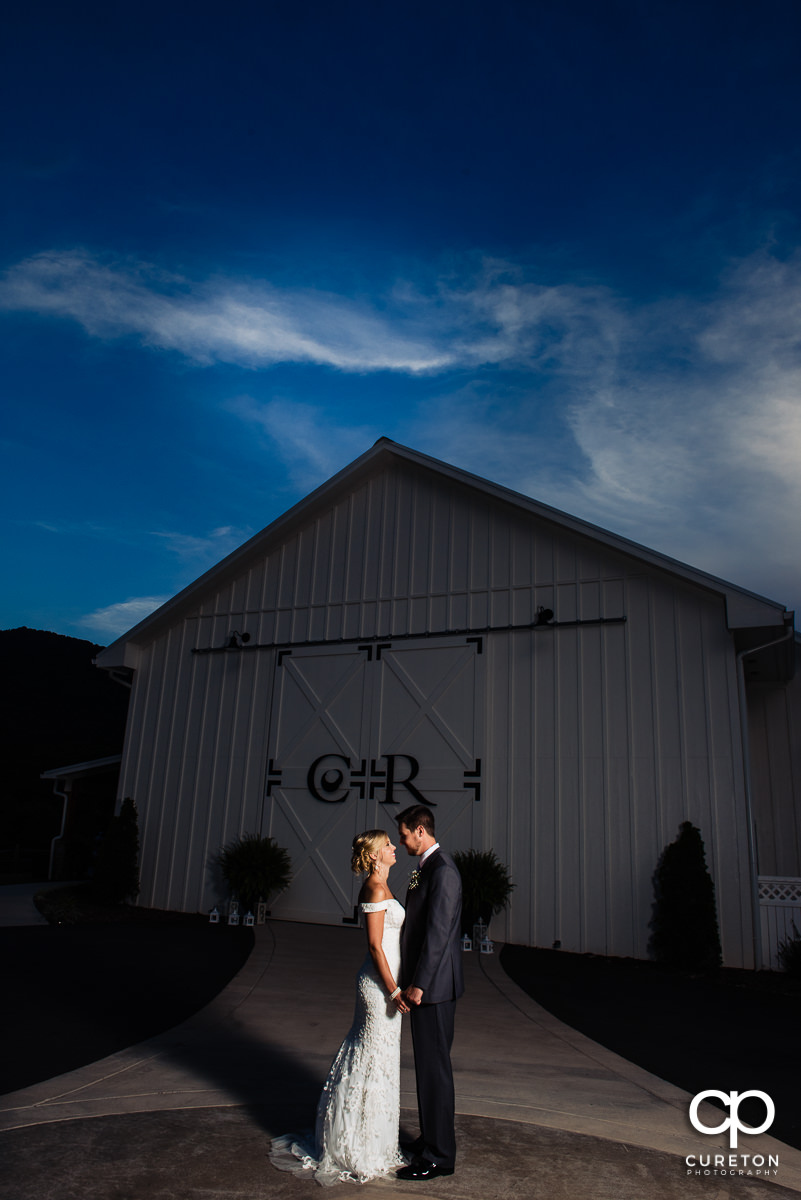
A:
(733, 1123)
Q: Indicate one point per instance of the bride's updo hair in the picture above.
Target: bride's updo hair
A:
(364, 844)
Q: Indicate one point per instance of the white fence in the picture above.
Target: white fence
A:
(779, 910)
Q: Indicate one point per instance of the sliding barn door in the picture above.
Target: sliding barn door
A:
(357, 734)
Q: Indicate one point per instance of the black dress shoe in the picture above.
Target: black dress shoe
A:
(421, 1168)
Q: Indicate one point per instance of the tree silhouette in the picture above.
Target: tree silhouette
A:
(116, 873)
(684, 926)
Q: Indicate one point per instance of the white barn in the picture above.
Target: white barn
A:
(561, 695)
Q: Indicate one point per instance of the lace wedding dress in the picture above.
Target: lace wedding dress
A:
(356, 1132)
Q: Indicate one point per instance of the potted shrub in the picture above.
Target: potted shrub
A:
(486, 886)
(254, 868)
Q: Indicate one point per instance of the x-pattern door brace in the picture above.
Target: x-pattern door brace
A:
(320, 703)
(426, 705)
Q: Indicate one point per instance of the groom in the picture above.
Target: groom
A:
(431, 972)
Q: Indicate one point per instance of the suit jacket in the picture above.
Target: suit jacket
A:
(431, 953)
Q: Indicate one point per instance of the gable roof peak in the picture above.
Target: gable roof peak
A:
(737, 599)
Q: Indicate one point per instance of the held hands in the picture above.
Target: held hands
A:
(404, 999)
(398, 1000)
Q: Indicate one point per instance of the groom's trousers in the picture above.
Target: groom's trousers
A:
(432, 1037)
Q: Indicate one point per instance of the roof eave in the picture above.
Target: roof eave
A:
(77, 770)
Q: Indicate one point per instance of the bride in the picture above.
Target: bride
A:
(356, 1131)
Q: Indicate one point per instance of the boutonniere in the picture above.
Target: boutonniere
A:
(414, 879)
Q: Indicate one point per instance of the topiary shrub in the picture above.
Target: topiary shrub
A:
(684, 926)
(790, 954)
(486, 886)
(254, 867)
(116, 871)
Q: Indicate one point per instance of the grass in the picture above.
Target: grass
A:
(98, 979)
(74, 905)
(728, 1029)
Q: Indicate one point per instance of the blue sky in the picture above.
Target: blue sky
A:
(555, 243)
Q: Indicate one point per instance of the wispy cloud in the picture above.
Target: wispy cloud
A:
(195, 550)
(250, 325)
(676, 422)
(501, 318)
(203, 550)
(312, 443)
(688, 437)
(117, 619)
(492, 316)
(194, 553)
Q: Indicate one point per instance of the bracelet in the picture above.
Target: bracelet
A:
(392, 995)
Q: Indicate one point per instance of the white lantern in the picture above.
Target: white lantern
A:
(249, 919)
(214, 916)
(467, 943)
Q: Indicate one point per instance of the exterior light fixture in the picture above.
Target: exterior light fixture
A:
(237, 640)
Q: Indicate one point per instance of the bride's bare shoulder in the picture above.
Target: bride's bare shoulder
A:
(373, 891)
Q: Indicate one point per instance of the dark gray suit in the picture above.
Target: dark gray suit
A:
(431, 959)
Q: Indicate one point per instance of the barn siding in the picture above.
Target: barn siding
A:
(599, 740)
(774, 714)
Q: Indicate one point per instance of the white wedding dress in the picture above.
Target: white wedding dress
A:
(356, 1131)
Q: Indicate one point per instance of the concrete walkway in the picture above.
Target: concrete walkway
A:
(542, 1110)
